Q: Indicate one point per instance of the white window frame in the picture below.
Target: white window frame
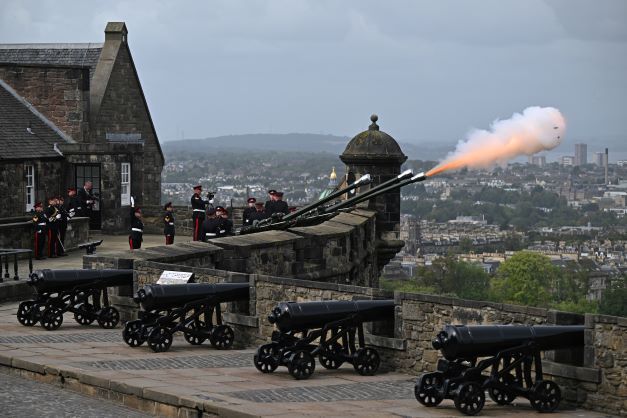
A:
(29, 186)
(125, 184)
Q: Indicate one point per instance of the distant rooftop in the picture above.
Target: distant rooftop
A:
(83, 55)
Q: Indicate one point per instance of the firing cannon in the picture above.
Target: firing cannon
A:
(189, 308)
(513, 354)
(60, 291)
(338, 327)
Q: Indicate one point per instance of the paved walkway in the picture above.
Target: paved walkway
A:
(200, 378)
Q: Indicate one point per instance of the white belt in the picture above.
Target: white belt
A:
(137, 230)
(209, 234)
(170, 223)
(42, 224)
(222, 231)
(199, 210)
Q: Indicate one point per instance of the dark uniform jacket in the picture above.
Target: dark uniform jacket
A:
(198, 204)
(281, 206)
(137, 227)
(256, 216)
(41, 222)
(64, 217)
(168, 223)
(74, 207)
(83, 198)
(54, 218)
(216, 227)
(246, 215)
(269, 207)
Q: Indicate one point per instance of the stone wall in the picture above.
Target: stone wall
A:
(20, 234)
(60, 94)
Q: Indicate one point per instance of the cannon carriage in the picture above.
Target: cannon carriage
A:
(82, 292)
(505, 360)
(193, 309)
(332, 331)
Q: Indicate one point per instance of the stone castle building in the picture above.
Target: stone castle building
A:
(71, 113)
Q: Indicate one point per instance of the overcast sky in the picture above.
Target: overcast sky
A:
(431, 69)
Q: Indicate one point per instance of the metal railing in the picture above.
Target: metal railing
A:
(5, 254)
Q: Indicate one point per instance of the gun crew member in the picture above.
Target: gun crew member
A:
(168, 223)
(74, 207)
(226, 225)
(249, 211)
(280, 206)
(258, 214)
(269, 206)
(41, 229)
(210, 227)
(199, 206)
(137, 227)
(54, 217)
(87, 199)
(62, 225)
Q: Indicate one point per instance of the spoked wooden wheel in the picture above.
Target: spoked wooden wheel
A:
(222, 337)
(545, 396)
(266, 358)
(108, 317)
(28, 313)
(85, 314)
(366, 361)
(331, 358)
(301, 364)
(427, 389)
(503, 396)
(160, 339)
(52, 318)
(470, 398)
(132, 334)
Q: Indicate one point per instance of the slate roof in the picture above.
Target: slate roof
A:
(71, 55)
(16, 142)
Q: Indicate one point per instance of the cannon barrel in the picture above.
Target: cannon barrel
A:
(469, 342)
(376, 191)
(48, 280)
(158, 297)
(362, 181)
(291, 316)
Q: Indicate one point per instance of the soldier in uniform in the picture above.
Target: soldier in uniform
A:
(74, 207)
(54, 217)
(258, 214)
(210, 227)
(280, 206)
(168, 223)
(198, 211)
(269, 207)
(226, 225)
(137, 227)
(249, 211)
(41, 228)
(62, 226)
(87, 199)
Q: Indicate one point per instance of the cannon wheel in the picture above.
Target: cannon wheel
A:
(426, 389)
(470, 398)
(301, 364)
(85, 314)
(332, 361)
(545, 396)
(366, 361)
(222, 337)
(132, 334)
(500, 396)
(266, 358)
(52, 318)
(108, 317)
(27, 313)
(194, 339)
(160, 339)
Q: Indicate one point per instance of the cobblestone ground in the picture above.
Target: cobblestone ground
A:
(21, 398)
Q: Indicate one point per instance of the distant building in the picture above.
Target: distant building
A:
(568, 161)
(539, 160)
(598, 158)
(581, 154)
(331, 187)
(70, 113)
(622, 163)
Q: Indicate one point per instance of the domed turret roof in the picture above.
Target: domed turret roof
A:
(373, 144)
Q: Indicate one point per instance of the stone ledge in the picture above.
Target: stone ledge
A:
(399, 344)
(585, 374)
(15, 289)
(239, 319)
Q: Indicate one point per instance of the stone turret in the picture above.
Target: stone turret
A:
(376, 153)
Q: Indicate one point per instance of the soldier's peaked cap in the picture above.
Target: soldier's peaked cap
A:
(167, 205)
(251, 200)
(38, 205)
(271, 191)
(198, 186)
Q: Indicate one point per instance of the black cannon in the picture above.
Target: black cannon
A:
(336, 325)
(189, 308)
(60, 291)
(513, 354)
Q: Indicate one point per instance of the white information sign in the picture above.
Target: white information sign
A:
(175, 277)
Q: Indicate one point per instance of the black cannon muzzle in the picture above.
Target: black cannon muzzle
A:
(160, 297)
(50, 281)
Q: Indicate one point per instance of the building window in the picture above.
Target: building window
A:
(126, 184)
(29, 172)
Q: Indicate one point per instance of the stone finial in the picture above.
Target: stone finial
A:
(374, 127)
